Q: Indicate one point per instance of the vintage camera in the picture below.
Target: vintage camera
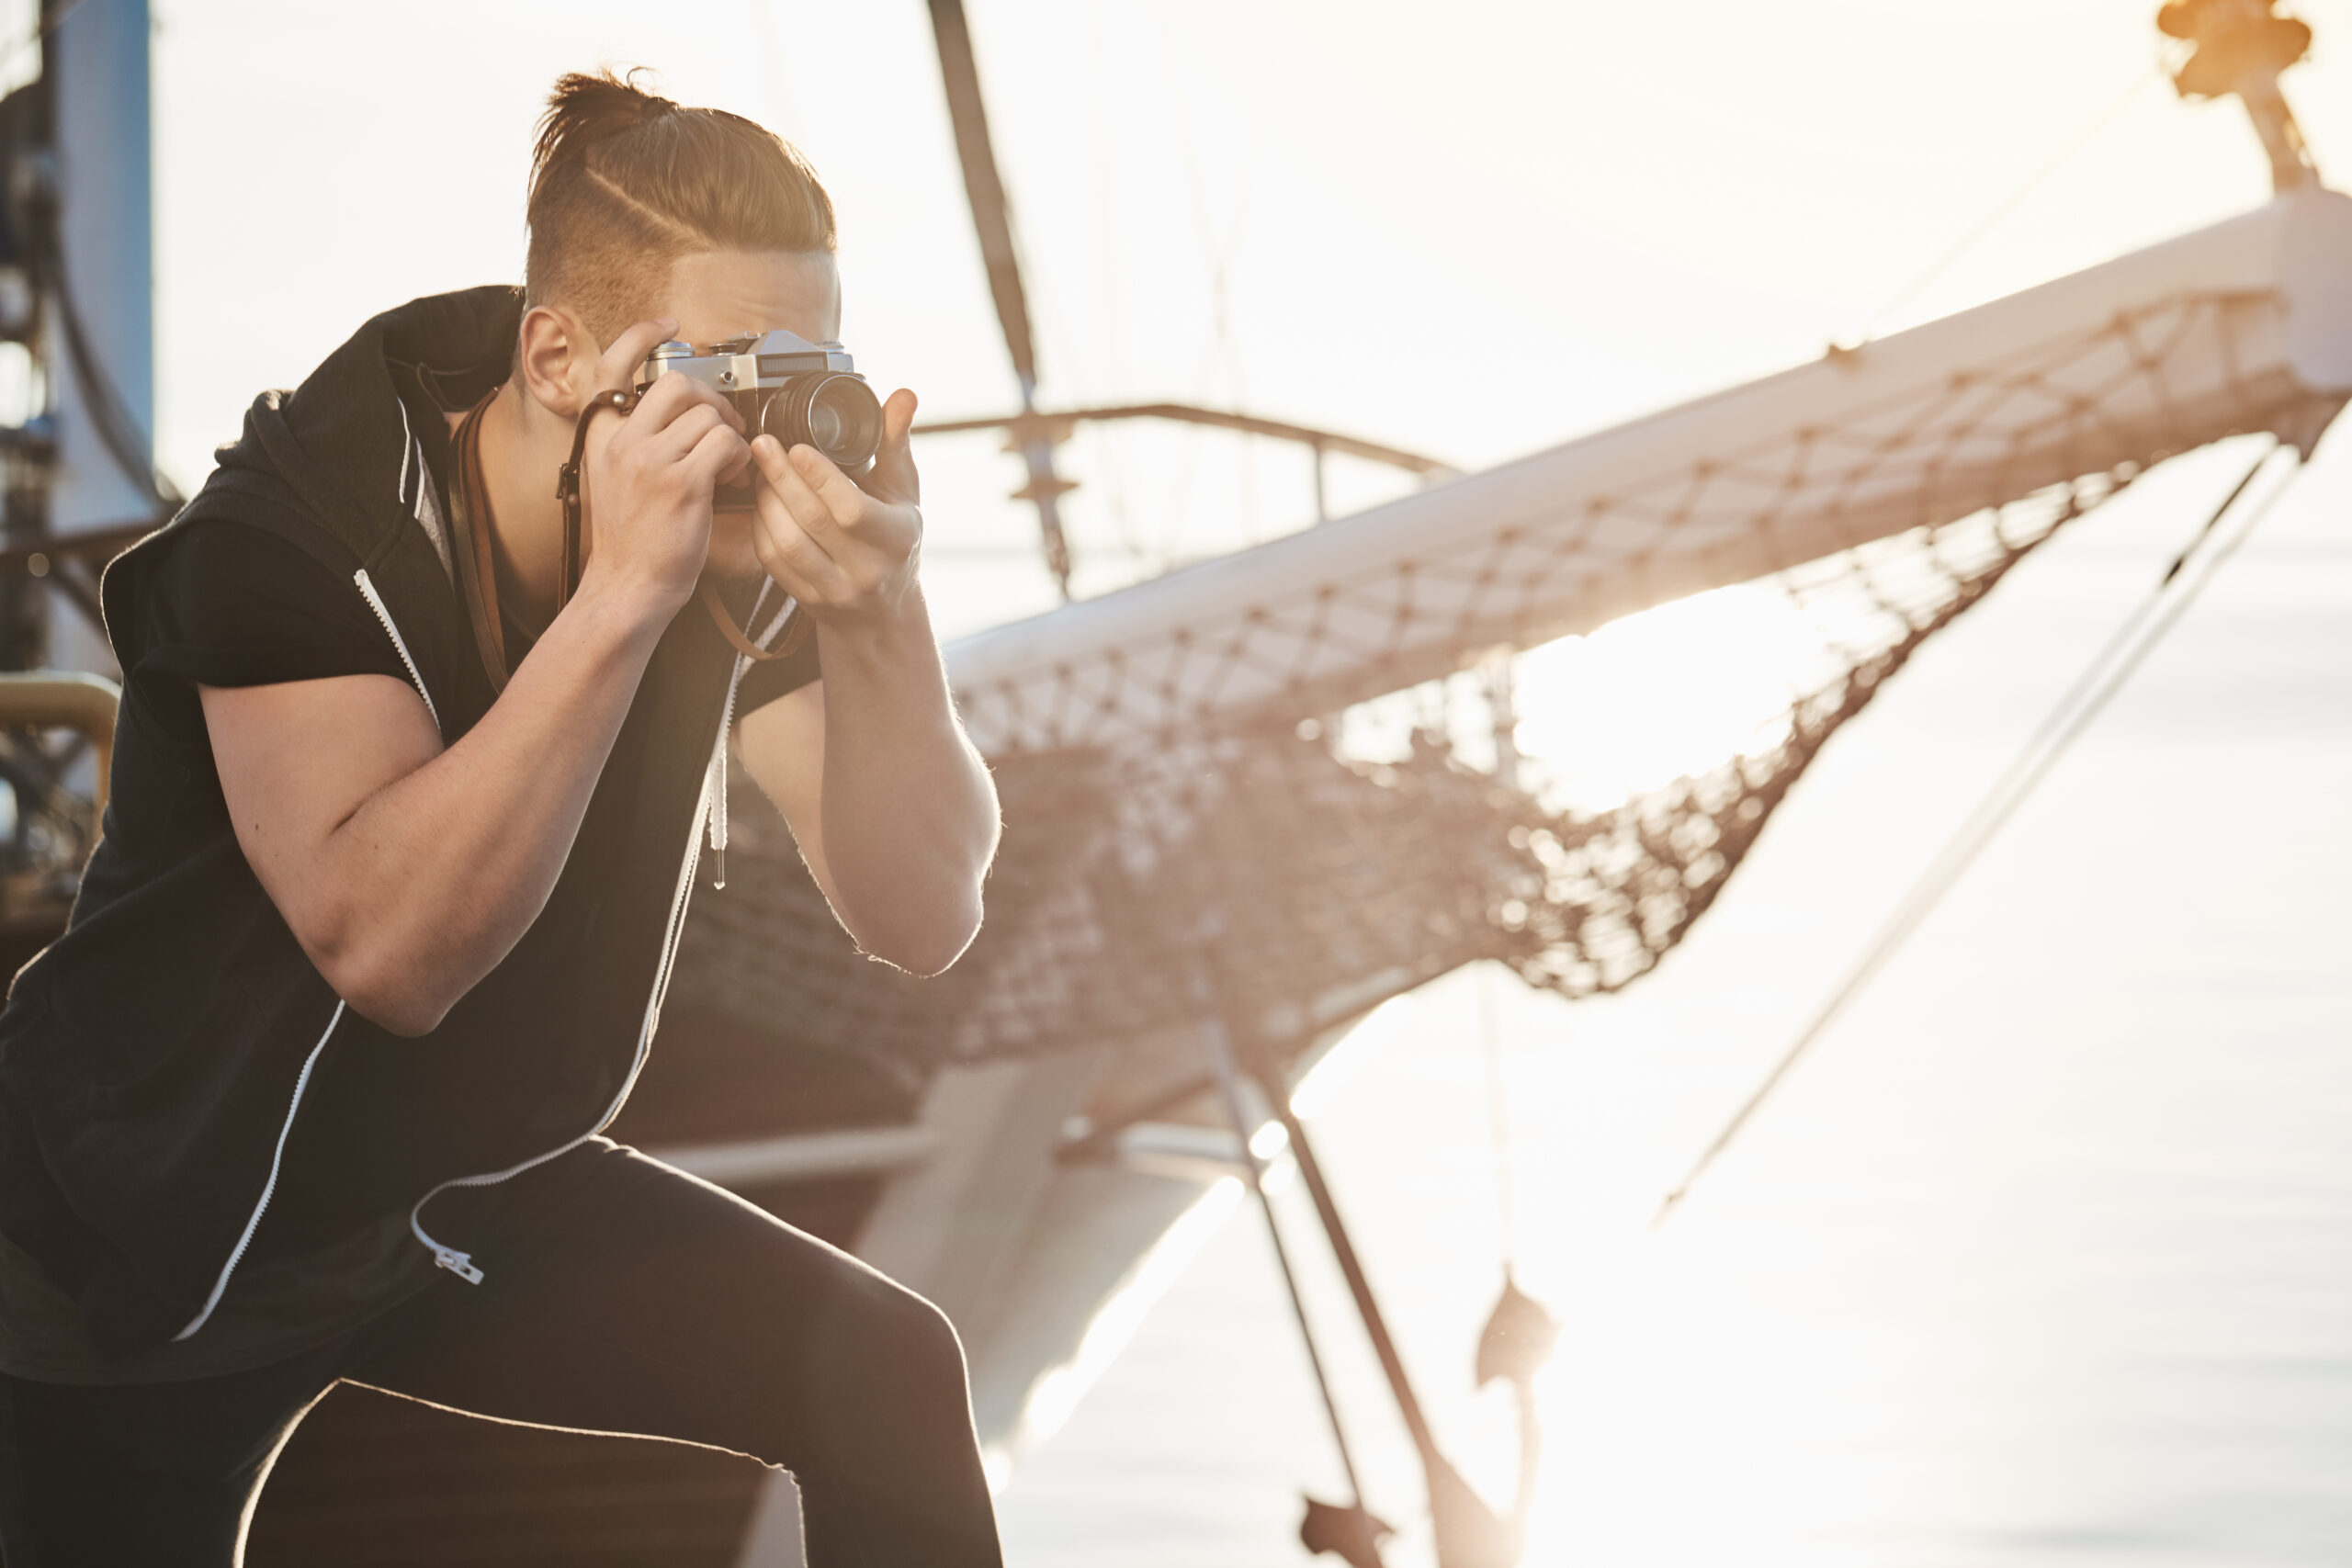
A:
(800, 392)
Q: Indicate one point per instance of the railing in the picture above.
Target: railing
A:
(58, 699)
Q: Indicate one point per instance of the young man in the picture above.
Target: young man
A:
(403, 828)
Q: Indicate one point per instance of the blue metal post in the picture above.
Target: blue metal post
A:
(98, 61)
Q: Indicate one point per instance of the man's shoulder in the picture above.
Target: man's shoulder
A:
(239, 515)
(224, 601)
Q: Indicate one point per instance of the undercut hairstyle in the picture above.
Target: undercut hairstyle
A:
(624, 183)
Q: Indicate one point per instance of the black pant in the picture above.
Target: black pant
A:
(620, 1296)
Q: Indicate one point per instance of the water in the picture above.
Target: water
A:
(2043, 1258)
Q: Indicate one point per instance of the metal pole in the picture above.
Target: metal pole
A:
(1409, 1403)
(1217, 1046)
(1469, 1533)
(96, 60)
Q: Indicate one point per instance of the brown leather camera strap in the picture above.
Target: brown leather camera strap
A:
(568, 491)
(794, 633)
(470, 549)
(567, 487)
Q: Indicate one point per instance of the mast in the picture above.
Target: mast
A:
(1032, 436)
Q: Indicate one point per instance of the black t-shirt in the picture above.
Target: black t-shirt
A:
(236, 606)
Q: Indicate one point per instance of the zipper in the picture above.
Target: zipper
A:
(376, 602)
(409, 450)
(714, 787)
(269, 1187)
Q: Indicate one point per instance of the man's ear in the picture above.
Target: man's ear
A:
(556, 357)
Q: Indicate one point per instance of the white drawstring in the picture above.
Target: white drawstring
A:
(726, 725)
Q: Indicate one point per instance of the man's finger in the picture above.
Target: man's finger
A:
(893, 478)
(897, 418)
(672, 441)
(739, 466)
(792, 557)
(617, 367)
(793, 493)
(671, 396)
(835, 489)
(719, 451)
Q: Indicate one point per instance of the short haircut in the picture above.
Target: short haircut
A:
(624, 183)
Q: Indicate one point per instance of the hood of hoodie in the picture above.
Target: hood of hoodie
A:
(337, 466)
(180, 1089)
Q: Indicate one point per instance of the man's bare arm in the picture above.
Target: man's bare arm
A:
(892, 810)
(406, 870)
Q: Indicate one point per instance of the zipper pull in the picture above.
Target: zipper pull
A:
(461, 1264)
(718, 868)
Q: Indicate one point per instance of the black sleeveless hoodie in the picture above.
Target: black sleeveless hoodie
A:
(180, 1090)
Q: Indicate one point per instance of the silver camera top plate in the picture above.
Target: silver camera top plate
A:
(743, 363)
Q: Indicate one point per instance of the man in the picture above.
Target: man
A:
(405, 813)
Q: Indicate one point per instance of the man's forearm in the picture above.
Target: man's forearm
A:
(909, 814)
(441, 872)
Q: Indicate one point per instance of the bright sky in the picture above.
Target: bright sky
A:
(1472, 236)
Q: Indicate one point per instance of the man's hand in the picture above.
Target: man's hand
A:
(847, 552)
(649, 476)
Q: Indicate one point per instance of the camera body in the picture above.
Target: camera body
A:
(800, 392)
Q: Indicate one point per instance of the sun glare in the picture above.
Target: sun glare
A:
(1668, 692)
(1646, 699)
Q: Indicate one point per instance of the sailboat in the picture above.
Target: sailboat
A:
(1245, 806)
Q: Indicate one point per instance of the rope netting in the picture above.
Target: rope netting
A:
(1317, 849)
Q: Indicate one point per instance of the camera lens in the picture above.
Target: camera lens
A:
(837, 414)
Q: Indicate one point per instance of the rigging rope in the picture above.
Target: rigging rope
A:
(2084, 702)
